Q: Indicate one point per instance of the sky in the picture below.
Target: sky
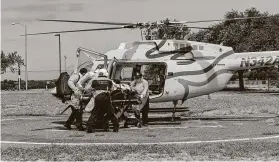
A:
(43, 50)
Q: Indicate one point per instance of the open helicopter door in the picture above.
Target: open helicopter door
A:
(112, 67)
(90, 60)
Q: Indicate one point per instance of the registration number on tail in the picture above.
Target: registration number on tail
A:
(261, 61)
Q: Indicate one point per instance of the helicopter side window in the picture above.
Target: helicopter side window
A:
(182, 46)
(201, 48)
(126, 74)
(175, 46)
(195, 47)
(155, 75)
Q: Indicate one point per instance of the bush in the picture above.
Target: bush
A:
(32, 84)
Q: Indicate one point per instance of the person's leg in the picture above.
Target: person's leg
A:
(91, 123)
(76, 110)
(145, 111)
(112, 117)
(78, 115)
(70, 119)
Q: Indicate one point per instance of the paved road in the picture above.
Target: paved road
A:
(42, 129)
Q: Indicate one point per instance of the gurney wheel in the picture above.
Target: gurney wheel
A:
(126, 125)
(139, 125)
(106, 127)
(115, 129)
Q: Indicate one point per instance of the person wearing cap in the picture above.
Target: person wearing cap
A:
(140, 85)
(75, 100)
(136, 69)
(99, 75)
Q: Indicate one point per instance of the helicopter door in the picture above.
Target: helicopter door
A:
(89, 59)
(111, 67)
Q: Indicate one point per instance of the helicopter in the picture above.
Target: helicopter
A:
(183, 69)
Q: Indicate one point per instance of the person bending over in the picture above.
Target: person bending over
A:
(75, 100)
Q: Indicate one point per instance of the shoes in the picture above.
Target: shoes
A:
(81, 128)
(67, 126)
(90, 130)
(145, 124)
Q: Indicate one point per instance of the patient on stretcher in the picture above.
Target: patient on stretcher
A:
(100, 86)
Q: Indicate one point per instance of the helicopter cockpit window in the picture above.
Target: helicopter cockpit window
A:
(88, 67)
(89, 59)
(189, 55)
(100, 66)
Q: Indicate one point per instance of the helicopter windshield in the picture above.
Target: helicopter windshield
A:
(90, 59)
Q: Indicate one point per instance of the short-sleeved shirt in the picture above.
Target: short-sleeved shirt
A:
(141, 87)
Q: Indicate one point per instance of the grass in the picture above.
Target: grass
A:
(250, 150)
(221, 103)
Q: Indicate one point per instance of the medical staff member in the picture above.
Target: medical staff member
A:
(102, 101)
(81, 84)
(75, 100)
(140, 85)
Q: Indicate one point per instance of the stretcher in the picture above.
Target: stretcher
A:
(120, 101)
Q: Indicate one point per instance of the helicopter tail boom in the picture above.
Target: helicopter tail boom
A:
(253, 60)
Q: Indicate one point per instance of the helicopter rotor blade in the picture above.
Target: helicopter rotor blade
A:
(71, 31)
(244, 18)
(198, 27)
(194, 27)
(89, 22)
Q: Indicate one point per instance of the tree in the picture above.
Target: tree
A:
(165, 31)
(251, 35)
(9, 61)
(177, 32)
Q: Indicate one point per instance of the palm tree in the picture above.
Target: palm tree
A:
(9, 61)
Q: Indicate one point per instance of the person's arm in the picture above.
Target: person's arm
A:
(114, 85)
(133, 85)
(146, 87)
(88, 88)
(83, 80)
(71, 82)
(88, 85)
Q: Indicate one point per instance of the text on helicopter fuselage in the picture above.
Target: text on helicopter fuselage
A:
(262, 61)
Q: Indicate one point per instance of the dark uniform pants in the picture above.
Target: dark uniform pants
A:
(75, 115)
(102, 111)
(145, 111)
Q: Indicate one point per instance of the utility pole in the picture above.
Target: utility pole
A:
(59, 53)
(26, 72)
(19, 78)
(65, 57)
